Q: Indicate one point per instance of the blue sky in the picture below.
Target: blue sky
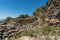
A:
(14, 8)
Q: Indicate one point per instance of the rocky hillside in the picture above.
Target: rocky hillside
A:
(45, 16)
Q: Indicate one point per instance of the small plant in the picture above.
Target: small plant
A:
(10, 38)
(32, 33)
(50, 30)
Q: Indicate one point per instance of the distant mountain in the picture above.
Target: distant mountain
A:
(1, 20)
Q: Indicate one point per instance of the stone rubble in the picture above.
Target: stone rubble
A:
(18, 25)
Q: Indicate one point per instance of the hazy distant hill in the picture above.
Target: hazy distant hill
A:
(1, 20)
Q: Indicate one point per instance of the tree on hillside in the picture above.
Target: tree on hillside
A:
(39, 10)
(7, 19)
(23, 16)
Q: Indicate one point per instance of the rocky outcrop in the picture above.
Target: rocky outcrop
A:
(17, 25)
(52, 17)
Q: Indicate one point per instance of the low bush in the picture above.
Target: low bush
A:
(50, 30)
(23, 16)
(32, 33)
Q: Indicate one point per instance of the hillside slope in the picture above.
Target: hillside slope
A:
(46, 17)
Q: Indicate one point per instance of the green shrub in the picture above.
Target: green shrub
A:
(10, 38)
(23, 16)
(39, 10)
(50, 30)
(32, 33)
(7, 19)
